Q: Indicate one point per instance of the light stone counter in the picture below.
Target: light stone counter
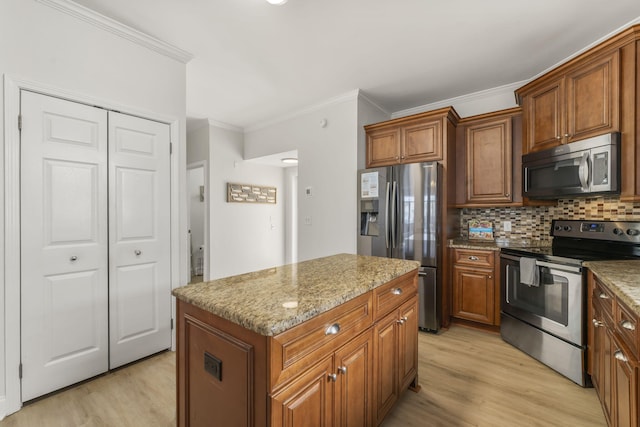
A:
(273, 300)
(622, 277)
(495, 245)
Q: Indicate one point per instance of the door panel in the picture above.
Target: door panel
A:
(139, 224)
(64, 321)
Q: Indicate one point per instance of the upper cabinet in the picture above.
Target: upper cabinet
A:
(488, 159)
(579, 102)
(412, 139)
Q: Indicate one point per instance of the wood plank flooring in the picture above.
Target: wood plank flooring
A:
(468, 378)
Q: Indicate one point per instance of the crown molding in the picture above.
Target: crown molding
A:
(225, 126)
(105, 23)
(511, 87)
(349, 96)
(365, 98)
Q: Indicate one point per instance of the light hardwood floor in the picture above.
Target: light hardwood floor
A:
(468, 378)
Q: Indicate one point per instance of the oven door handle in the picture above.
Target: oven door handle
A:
(561, 267)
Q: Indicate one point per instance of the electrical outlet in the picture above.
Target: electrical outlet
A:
(506, 225)
(213, 366)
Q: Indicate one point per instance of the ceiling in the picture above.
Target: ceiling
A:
(254, 62)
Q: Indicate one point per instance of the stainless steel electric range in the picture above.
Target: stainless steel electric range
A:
(544, 291)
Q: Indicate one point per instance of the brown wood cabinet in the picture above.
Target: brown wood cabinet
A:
(412, 139)
(614, 339)
(579, 102)
(396, 356)
(475, 290)
(327, 371)
(489, 159)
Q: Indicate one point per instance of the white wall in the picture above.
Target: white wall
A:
(52, 49)
(244, 237)
(327, 164)
(195, 177)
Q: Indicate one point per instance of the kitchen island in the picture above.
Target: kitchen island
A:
(326, 341)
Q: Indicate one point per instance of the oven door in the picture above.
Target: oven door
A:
(555, 306)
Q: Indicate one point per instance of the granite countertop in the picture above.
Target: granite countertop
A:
(496, 244)
(273, 300)
(622, 277)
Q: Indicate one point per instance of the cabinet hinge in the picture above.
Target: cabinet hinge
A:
(19, 121)
(172, 324)
(171, 148)
(20, 371)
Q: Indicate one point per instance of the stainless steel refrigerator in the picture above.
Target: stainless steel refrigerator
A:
(397, 213)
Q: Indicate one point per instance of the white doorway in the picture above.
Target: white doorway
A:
(198, 207)
(95, 241)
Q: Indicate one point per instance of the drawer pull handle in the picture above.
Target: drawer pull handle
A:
(396, 291)
(333, 377)
(597, 323)
(342, 370)
(620, 356)
(603, 296)
(473, 258)
(628, 325)
(333, 329)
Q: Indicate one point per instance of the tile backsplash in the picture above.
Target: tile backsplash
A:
(534, 223)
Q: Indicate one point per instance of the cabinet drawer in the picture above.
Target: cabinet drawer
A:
(473, 257)
(389, 296)
(299, 347)
(604, 297)
(627, 326)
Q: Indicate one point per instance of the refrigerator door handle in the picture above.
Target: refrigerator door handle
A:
(394, 226)
(386, 218)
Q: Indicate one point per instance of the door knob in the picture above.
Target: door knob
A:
(138, 252)
(73, 258)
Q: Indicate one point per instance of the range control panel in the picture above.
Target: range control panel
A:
(617, 231)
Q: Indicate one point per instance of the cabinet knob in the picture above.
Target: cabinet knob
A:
(333, 329)
(603, 296)
(628, 325)
(506, 195)
(402, 320)
(473, 258)
(396, 291)
(333, 377)
(566, 135)
(558, 137)
(342, 369)
(620, 356)
(597, 323)
(490, 277)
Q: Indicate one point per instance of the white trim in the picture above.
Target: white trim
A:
(223, 125)
(349, 96)
(207, 198)
(369, 101)
(11, 210)
(459, 99)
(111, 25)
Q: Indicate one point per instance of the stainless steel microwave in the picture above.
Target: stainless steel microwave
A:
(583, 168)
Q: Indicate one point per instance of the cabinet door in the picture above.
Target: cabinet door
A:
(473, 294)
(385, 365)
(354, 366)
(592, 98)
(408, 343)
(489, 162)
(544, 117)
(307, 401)
(421, 142)
(625, 380)
(383, 147)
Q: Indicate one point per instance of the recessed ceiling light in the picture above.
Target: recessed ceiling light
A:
(290, 160)
(277, 2)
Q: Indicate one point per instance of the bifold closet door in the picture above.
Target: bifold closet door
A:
(64, 243)
(139, 238)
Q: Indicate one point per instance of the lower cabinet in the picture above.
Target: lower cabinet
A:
(335, 392)
(396, 356)
(614, 365)
(475, 292)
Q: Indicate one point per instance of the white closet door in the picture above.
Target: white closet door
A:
(64, 291)
(139, 236)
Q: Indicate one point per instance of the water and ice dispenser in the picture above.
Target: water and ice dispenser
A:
(369, 217)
